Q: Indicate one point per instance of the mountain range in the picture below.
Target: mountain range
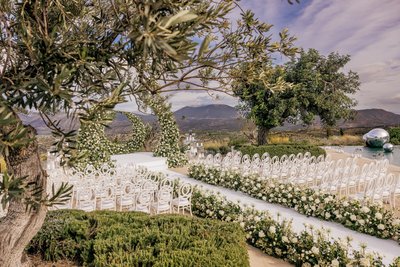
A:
(217, 117)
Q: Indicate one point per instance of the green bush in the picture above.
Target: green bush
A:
(109, 238)
(394, 135)
(280, 150)
(222, 150)
(238, 141)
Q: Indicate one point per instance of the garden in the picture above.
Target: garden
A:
(75, 63)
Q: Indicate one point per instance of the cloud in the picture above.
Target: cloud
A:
(369, 31)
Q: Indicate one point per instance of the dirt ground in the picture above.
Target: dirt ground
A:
(260, 259)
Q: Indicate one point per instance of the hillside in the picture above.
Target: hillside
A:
(218, 118)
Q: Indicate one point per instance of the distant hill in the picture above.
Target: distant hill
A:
(218, 118)
(207, 112)
(372, 118)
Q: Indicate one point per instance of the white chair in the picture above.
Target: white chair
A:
(85, 199)
(108, 200)
(395, 192)
(184, 200)
(143, 201)
(127, 196)
(164, 201)
(167, 183)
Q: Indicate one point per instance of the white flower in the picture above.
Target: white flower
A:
(303, 198)
(317, 201)
(315, 250)
(285, 239)
(327, 215)
(294, 240)
(272, 229)
(378, 216)
(381, 227)
(335, 263)
(345, 204)
(353, 217)
(365, 262)
(365, 209)
(261, 234)
(362, 222)
(256, 219)
(242, 224)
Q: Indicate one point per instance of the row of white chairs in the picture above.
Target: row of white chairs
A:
(263, 166)
(342, 177)
(123, 187)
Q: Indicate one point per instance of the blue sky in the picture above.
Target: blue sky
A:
(368, 30)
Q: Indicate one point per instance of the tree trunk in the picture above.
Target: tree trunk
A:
(262, 135)
(328, 131)
(19, 226)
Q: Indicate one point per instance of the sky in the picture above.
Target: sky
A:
(367, 30)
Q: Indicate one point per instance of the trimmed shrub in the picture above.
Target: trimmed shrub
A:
(394, 135)
(280, 150)
(107, 238)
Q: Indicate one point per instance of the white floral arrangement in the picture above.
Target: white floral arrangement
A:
(94, 146)
(369, 218)
(168, 145)
(310, 247)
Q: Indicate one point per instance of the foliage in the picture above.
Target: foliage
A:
(66, 56)
(168, 145)
(307, 86)
(95, 147)
(322, 88)
(223, 150)
(308, 247)
(394, 135)
(137, 239)
(267, 104)
(368, 218)
(280, 150)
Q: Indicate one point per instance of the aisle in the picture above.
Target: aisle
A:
(388, 249)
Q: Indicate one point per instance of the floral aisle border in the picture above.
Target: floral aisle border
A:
(276, 238)
(370, 218)
(94, 146)
(168, 145)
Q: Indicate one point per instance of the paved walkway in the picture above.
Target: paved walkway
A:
(388, 249)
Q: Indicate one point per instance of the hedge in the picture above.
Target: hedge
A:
(394, 135)
(107, 238)
(280, 150)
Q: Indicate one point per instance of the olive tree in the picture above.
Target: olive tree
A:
(70, 55)
(66, 55)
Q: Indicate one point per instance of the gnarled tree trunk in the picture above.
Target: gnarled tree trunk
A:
(19, 226)
(262, 134)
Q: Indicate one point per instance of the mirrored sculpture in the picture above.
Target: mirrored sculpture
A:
(376, 137)
(388, 147)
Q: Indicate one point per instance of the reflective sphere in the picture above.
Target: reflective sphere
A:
(388, 147)
(376, 137)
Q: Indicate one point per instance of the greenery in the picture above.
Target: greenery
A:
(67, 56)
(322, 88)
(137, 239)
(307, 86)
(168, 145)
(280, 150)
(368, 218)
(308, 247)
(95, 148)
(394, 135)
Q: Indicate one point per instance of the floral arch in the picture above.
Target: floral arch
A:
(95, 148)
